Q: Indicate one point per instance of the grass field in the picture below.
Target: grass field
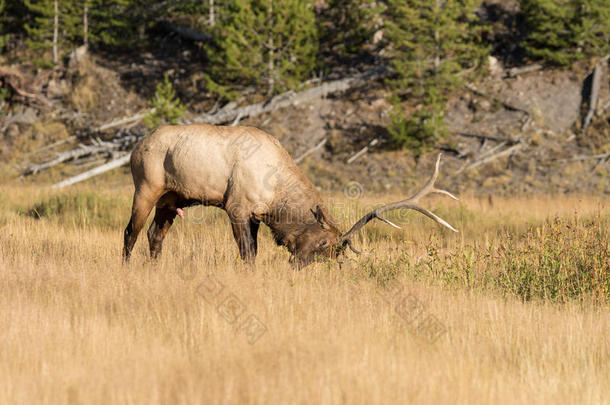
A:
(513, 309)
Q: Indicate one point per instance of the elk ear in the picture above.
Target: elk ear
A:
(319, 215)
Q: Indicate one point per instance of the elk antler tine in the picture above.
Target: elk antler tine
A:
(438, 160)
(387, 221)
(437, 165)
(348, 242)
(434, 217)
(447, 193)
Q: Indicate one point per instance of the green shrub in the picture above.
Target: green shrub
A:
(167, 107)
(419, 131)
(563, 31)
(560, 260)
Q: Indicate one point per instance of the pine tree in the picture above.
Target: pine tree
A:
(348, 25)
(432, 42)
(167, 107)
(269, 44)
(72, 29)
(553, 28)
(562, 31)
(43, 32)
(114, 23)
(595, 27)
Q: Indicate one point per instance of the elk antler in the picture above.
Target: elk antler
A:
(409, 203)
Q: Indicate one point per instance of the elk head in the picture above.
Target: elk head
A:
(322, 239)
(318, 240)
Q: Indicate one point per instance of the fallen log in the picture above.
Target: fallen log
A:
(310, 151)
(123, 121)
(363, 151)
(51, 146)
(489, 158)
(516, 71)
(94, 172)
(84, 150)
(98, 147)
(15, 80)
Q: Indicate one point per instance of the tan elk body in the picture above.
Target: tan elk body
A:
(246, 172)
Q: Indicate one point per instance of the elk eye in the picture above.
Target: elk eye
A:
(323, 243)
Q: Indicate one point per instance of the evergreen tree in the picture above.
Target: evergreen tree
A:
(595, 22)
(167, 107)
(348, 25)
(43, 32)
(270, 44)
(114, 23)
(433, 43)
(197, 9)
(72, 30)
(562, 31)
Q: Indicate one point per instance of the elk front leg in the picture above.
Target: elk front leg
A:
(242, 231)
(254, 225)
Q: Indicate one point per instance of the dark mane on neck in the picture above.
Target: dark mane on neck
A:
(287, 223)
(293, 214)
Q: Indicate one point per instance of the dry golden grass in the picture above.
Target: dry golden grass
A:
(78, 327)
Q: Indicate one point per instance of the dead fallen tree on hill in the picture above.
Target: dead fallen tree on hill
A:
(98, 147)
(14, 79)
(291, 98)
(505, 147)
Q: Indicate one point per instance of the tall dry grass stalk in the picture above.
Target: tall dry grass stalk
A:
(78, 327)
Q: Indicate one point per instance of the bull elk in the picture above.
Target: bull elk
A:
(246, 172)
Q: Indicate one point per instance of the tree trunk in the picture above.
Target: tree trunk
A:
(437, 45)
(85, 26)
(270, 62)
(55, 30)
(212, 22)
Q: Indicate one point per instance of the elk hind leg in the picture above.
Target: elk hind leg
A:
(142, 205)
